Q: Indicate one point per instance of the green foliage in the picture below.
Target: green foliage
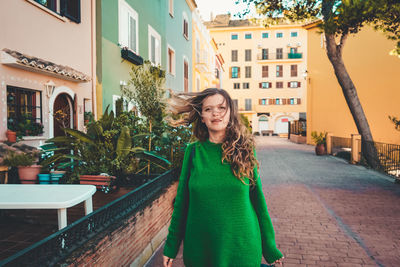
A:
(319, 138)
(396, 122)
(246, 122)
(107, 147)
(146, 90)
(338, 17)
(25, 126)
(13, 159)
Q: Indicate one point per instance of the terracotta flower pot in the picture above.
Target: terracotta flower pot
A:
(11, 136)
(320, 149)
(98, 180)
(28, 174)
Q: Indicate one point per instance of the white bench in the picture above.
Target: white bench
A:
(60, 197)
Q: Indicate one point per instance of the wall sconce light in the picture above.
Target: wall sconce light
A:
(305, 74)
(50, 85)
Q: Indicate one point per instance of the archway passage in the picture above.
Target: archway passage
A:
(62, 114)
(281, 125)
(263, 123)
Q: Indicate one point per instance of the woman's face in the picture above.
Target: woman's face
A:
(215, 113)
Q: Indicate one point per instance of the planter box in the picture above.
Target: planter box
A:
(99, 181)
(28, 174)
(131, 57)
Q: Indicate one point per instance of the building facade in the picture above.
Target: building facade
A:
(47, 66)
(265, 70)
(375, 74)
(208, 63)
(131, 31)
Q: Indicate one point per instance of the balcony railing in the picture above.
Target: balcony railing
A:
(279, 56)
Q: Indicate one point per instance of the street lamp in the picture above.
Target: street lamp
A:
(50, 85)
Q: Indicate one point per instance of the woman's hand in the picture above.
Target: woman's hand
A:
(279, 261)
(167, 262)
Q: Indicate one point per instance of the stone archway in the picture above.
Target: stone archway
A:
(69, 94)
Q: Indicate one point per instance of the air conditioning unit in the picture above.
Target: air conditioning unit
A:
(289, 44)
(298, 44)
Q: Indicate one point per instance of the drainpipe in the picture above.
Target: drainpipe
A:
(93, 57)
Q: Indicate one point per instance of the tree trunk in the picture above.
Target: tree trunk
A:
(334, 52)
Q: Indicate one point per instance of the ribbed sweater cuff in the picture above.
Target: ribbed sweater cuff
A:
(273, 254)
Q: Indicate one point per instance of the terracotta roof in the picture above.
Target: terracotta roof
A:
(41, 65)
(224, 20)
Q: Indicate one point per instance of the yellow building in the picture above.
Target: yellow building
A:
(265, 70)
(207, 62)
(375, 74)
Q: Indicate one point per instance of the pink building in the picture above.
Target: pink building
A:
(47, 66)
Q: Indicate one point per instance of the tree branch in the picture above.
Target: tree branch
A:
(340, 46)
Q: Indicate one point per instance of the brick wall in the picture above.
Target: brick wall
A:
(132, 240)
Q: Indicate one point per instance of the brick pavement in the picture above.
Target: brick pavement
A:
(325, 211)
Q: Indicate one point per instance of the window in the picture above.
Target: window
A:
(248, 71)
(263, 101)
(154, 46)
(279, 70)
(292, 101)
(247, 104)
(171, 8)
(293, 70)
(265, 85)
(293, 50)
(264, 53)
(234, 36)
(247, 53)
(171, 61)
(246, 85)
(185, 75)
(235, 72)
(70, 9)
(23, 105)
(264, 71)
(235, 103)
(279, 53)
(50, 4)
(197, 50)
(294, 84)
(277, 101)
(293, 34)
(265, 35)
(279, 34)
(247, 36)
(234, 55)
(236, 86)
(185, 27)
(197, 84)
(279, 84)
(128, 27)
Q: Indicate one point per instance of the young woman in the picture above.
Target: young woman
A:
(220, 210)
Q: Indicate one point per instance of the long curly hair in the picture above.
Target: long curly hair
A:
(238, 145)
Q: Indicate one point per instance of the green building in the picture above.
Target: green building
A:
(131, 31)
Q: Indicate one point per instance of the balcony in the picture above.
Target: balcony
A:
(202, 61)
(279, 56)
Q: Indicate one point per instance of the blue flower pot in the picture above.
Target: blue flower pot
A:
(55, 177)
(44, 178)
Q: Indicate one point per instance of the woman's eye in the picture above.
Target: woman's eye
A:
(222, 107)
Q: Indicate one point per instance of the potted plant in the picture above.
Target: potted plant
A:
(106, 150)
(320, 141)
(25, 162)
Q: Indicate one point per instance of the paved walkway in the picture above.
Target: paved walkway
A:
(325, 211)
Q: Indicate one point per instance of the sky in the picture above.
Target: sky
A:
(218, 7)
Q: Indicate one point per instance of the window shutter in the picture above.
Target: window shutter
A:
(71, 9)
(298, 101)
(230, 72)
(298, 84)
(270, 85)
(284, 101)
(259, 85)
(259, 101)
(238, 72)
(288, 84)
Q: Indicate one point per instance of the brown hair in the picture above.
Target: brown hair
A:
(238, 145)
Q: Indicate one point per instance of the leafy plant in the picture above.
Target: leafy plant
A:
(13, 159)
(25, 126)
(396, 122)
(319, 138)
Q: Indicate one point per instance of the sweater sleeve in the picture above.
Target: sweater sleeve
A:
(269, 249)
(176, 230)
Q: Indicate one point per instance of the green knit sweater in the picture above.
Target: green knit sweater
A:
(226, 225)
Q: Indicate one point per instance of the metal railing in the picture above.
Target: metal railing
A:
(389, 157)
(275, 56)
(57, 247)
